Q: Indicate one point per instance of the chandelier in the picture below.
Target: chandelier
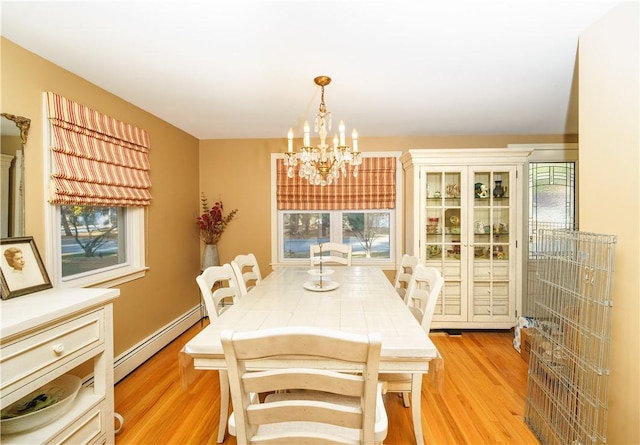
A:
(323, 164)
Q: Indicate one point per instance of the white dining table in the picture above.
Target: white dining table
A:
(363, 301)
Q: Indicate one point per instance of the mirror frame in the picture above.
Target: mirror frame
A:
(23, 125)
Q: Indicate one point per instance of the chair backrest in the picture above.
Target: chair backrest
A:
(422, 294)
(332, 253)
(404, 272)
(218, 283)
(311, 384)
(247, 272)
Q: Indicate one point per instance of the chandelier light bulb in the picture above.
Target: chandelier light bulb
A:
(354, 136)
(306, 142)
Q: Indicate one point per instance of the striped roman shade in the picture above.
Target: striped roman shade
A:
(373, 188)
(97, 160)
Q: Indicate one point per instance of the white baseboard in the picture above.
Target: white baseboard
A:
(141, 352)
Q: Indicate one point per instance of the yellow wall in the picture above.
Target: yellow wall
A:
(610, 191)
(238, 172)
(169, 288)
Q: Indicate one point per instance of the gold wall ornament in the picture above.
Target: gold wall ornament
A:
(22, 123)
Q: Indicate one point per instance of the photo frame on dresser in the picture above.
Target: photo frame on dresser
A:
(21, 267)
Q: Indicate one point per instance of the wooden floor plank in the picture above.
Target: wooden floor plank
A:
(481, 402)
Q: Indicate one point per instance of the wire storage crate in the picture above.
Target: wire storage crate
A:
(567, 384)
(535, 252)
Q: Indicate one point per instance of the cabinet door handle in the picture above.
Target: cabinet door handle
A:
(58, 348)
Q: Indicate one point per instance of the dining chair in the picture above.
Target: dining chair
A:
(218, 285)
(247, 272)
(332, 253)
(421, 296)
(219, 288)
(304, 405)
(404, 272)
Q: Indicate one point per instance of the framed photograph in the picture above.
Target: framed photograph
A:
(22, 269)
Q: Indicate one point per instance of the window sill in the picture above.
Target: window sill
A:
(384, 265)
(112, 279)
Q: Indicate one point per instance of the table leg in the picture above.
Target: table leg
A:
(416, 411)
(224, 404)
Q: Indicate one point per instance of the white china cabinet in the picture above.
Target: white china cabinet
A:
(465, 216)
(47, 334)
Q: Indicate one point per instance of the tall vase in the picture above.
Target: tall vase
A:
(210, 256)
(498, 191)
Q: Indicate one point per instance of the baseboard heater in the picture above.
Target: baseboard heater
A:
(128, 361)
(131, 359)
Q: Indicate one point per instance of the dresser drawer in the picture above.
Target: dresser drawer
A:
(31, 357)
(88, 429)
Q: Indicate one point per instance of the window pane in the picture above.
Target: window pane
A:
(551, 198)
(368, 234)
(302, 229)
(91, 238)
(552, 193)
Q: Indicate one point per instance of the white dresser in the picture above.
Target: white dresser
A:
(47, 334)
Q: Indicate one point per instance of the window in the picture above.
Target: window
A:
(552, 203)
(99, 187)
(368, 233)
(552, 198)
(93, 245)
(552, 194)
(374, 234)
(90, 238)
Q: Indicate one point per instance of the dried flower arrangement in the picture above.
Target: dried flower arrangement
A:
(212, 222)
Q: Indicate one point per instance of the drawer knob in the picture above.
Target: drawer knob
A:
(58, 348)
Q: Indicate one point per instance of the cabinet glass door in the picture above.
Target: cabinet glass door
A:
(443, 237)
(490, 245)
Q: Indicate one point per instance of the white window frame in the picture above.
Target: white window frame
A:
(134, 244)
(396, 222)
(335, 235)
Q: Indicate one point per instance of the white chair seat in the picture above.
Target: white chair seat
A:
(395, 378)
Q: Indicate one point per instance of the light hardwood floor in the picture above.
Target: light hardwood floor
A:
(481, 401)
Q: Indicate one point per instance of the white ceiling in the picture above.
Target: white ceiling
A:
(245, 69)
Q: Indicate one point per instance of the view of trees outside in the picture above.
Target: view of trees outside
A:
(90, 238)
(371, 230)
(368, 233)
